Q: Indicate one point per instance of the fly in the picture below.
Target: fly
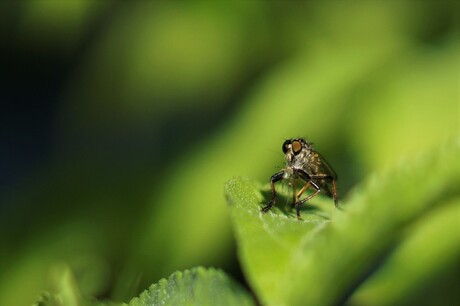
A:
(304, 163)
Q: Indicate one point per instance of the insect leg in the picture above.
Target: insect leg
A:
(275, 178)
(311, 195)
(334, 193)
(307, 178)
(299, 203)
(294, 195)
(302, 191)
(334, 186)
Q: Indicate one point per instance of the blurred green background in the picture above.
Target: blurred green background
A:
(121, 122)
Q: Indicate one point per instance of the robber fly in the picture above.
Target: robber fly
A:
(304, 163)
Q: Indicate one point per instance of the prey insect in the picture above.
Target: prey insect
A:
(305, 164)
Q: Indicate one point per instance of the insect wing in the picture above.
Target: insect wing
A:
(324, 168)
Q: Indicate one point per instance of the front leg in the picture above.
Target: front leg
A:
(275, 178)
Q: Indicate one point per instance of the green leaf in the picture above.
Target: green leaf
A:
(198, 286)
(48, 299)
(324, 258)
(66, 291)
(411, 272)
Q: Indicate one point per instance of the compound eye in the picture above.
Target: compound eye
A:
(296, 147)
(285, 146)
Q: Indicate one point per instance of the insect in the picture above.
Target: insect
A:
(304, 163)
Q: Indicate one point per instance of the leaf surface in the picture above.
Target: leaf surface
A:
(198, 286)
(323, 259)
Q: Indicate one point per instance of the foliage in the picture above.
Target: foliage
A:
(394, 237)
(123, 121)
(198, 286)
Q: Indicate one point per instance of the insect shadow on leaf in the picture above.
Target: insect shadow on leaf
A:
(285, 204)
